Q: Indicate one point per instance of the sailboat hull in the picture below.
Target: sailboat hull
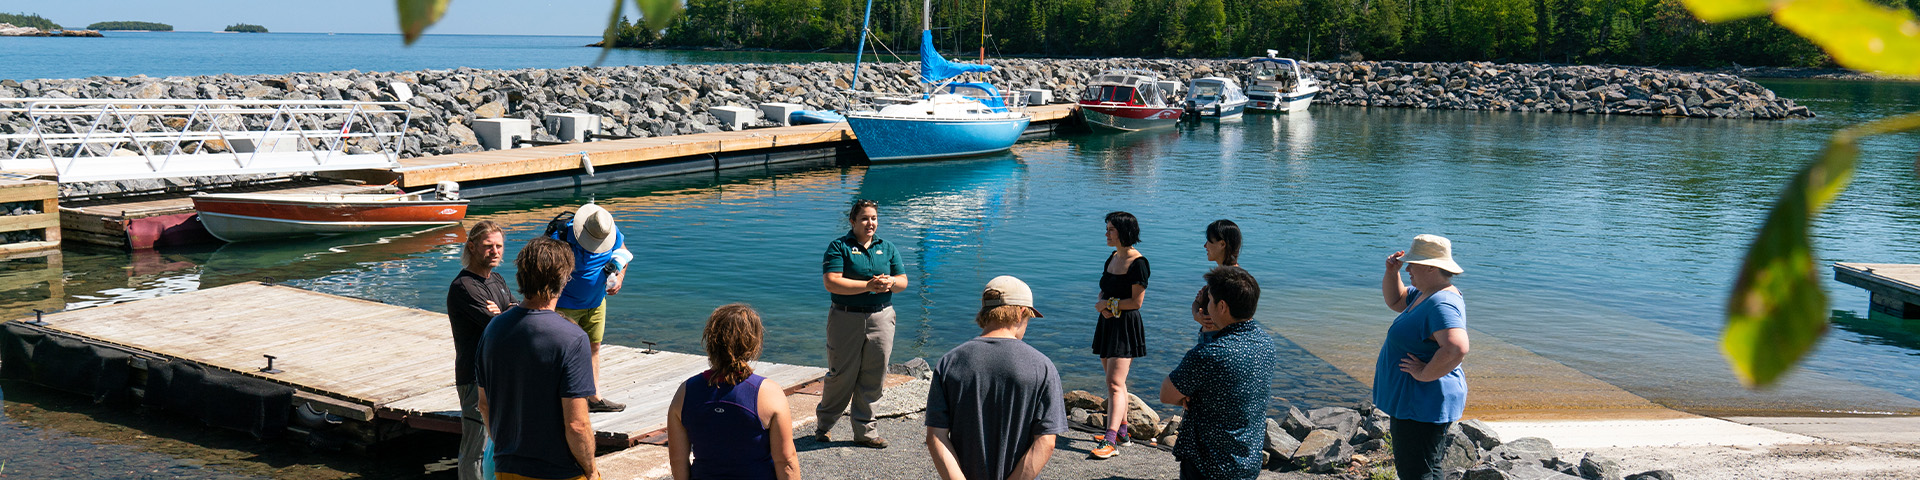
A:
(893, 139)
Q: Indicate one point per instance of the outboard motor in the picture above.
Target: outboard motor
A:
(447, 190)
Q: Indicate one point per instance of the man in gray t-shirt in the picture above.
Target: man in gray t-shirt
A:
(995, 406)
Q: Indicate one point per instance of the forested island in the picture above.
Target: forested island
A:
(29, 20)
(246, 28)
(1638, 32)
(131, 25)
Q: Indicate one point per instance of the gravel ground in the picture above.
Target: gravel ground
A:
(906, 457)
(1778, 462)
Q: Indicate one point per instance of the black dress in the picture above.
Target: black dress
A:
(1123, 336)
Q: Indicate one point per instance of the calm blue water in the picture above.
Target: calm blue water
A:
(160, 54)
(1604, 243)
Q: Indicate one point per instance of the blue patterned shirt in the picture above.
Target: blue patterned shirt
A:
(1226, 379)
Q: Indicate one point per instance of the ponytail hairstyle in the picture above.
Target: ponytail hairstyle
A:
(733, 338)
(1224, 230)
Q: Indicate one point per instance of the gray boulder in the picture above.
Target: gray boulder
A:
(1595, 467)
(1316, 450)
(1527, 448)
(1529, 471)
(1651, 475)
(1482, 435)
(1461, 452)
(1280, 445)
(1296, 424)
(1343, 421)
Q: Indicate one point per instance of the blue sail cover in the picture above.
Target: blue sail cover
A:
(934, 68)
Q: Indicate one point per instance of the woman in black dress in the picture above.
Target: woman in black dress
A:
(1119, 337)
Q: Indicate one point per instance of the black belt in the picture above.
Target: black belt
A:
(863, 308)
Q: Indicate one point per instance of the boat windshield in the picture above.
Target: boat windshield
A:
(1206, 89)
(1113, 93)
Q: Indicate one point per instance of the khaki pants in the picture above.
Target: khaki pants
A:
(473, 431)
(858, 345)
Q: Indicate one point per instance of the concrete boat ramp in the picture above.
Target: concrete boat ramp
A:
(363, 371)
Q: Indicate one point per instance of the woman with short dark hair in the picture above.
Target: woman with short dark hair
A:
(1223, 249)
(734, 422)
(1119, 335)
(1417, 380)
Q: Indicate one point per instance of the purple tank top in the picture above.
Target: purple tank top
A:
(729, 442)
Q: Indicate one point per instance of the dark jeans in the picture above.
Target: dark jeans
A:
(1418, 448)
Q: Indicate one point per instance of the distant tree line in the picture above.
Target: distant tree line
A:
(246, 27)
(631, 35)
(29, 20)
(1640, 32)
(131, 25)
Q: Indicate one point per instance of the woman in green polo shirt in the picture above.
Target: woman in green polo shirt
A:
(861, 272)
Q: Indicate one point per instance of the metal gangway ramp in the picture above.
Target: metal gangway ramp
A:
(85, 140)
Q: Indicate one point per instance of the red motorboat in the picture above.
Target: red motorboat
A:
(1129, 100)
(240, 217)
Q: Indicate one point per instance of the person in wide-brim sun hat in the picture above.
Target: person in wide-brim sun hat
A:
(1417, 379)
(1434, 251)
(593, 229)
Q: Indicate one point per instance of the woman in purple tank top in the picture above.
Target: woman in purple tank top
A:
(727, 422)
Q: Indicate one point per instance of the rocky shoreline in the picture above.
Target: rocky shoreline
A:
(10, 30)
(650, 101)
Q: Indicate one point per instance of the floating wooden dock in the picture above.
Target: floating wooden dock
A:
(146, 221)
(660, 155)
(1895, 288)
(44, 196)
(380, 365)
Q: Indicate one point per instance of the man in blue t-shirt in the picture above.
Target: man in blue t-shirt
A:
(535, 375)
(600, 259)
(1223, 384)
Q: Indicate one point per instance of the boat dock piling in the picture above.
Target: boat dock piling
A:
(1895, 288)
(42, 197)
(344, 370)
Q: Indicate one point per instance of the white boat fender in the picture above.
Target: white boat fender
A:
(447, 190)
(586, 163)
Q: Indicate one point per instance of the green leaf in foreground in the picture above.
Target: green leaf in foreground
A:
(1858, 34)
(1724, 10)
(417, 15)
(656, 14)
(1777, 311)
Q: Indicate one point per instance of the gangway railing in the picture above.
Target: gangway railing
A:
(82, 140)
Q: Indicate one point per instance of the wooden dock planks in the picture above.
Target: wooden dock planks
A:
(387, 358)
(44, 196)
(1895, 287)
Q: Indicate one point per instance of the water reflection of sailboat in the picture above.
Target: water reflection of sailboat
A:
(296, 259)
(950, 206)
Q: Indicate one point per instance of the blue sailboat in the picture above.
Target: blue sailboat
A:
(954, 119)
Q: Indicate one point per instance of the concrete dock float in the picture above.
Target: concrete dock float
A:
(1895, 288)
(381, 370)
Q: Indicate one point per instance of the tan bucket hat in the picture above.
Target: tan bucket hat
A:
(1012, 292)
(593, 228)
(1433, 251)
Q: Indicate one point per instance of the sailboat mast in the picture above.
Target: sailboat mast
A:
(860, 50)
(983, 31)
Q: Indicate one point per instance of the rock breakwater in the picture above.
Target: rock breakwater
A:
(10, 30)
(646, 101)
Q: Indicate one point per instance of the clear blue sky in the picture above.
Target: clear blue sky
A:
(493, 17)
